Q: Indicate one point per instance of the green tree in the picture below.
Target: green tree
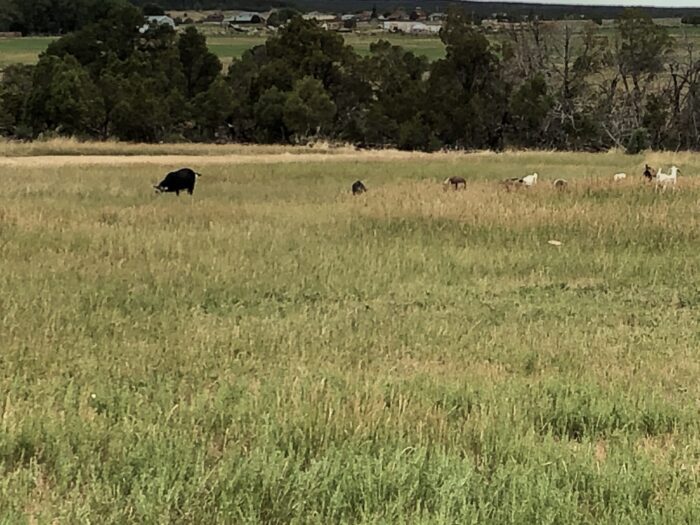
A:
(199, 65)
(152, 10)
(213, 108)
(15, 87)
(308, 110)
(149, 104)
(300, 49)
(642, 45)
(280, 17)
(469, 97)
(64, 98)
(309, 50)
(641, 50)
(115, 34)
(415, 134)
(268, 114)
(530, 106)
(397, 92)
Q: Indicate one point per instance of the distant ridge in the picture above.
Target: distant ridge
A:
(480, 8)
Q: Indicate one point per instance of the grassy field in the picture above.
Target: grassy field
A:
(26, 50)
(22, 50)
(228, 47)
(274, 350)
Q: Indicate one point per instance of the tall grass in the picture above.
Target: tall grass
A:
(274, 350)
(63, 146)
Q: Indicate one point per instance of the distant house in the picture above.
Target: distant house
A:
(437, 17)
(320, 17)
(247, 17)
(213, 18)
(418, 14)
(155, 21)
(397, 16)
(490, 24)
(416, 28)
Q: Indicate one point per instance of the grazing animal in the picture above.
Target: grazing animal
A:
(518, 182)
(358, 187)
(667, 179)
(619, 177)
(649, 173)
(560, 184)
(177, 181)
(509, 184)
(529, 180)
(456, 182)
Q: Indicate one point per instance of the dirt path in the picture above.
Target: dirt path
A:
(200, 160)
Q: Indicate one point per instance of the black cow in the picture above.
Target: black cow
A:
(177, 181)
(358, 187)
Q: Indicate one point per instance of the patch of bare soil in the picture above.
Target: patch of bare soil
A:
(56, 161)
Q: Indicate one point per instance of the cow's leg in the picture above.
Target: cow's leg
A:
(177, 192)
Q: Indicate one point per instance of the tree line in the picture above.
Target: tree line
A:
(540, 86)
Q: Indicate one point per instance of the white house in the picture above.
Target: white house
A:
(319, 17)
(410, 27)
(155, 21)
(437, 17)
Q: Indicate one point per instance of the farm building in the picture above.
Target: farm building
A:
(320, 17)
(437, 17)
(246, 17)
(411, 27)
(397, 16)
(213, 18)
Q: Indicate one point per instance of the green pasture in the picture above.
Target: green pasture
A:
(26, 50)
(273, 350)
(22, 50)
(228, 47)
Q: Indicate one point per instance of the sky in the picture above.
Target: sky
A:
(654, 3)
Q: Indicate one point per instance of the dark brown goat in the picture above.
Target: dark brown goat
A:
(455, 182)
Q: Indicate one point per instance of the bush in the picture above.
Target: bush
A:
(638, 142)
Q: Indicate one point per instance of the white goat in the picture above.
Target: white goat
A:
(665, 179)
(529, 180)
(619, 176)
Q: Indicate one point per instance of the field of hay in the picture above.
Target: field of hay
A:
(274, 350)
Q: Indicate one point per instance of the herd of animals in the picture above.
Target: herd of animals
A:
(184, 180)
(658, 177)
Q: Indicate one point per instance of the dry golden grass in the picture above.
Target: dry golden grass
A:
(276, 350)
(71, 146)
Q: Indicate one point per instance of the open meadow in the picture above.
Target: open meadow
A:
(229, 46)
(274, 350)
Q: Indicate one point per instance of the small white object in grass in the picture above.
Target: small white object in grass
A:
(554, 243)
(619, 176)
(93, 396)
